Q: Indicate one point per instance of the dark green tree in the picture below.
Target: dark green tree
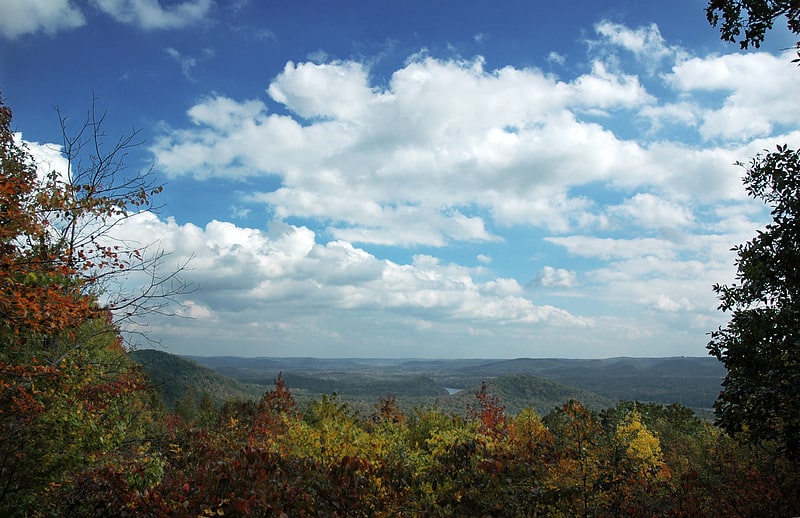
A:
(760, 345)
(760, 398)
(753, 17)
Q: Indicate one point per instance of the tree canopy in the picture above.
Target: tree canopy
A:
(70, 399)
(760, 345)
(754, 17)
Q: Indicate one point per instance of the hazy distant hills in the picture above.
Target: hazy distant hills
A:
(690, 381)
(451, 384)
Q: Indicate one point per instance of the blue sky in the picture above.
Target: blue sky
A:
(421, 179)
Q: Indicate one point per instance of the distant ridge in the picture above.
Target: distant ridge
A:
(175, 377)
(690, 381)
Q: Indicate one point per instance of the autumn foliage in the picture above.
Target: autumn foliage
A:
(258, 459)
(70, 400)
(41, 292)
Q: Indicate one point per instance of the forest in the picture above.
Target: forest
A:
(114, 450)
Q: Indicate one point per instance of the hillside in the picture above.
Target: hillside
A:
(450, 384)
(175, 377)
(517, 391)
(689, 381)
(692, 382)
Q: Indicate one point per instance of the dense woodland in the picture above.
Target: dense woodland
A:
(273, 457)
(83, 432)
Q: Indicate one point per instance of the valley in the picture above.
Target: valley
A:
(449, 384)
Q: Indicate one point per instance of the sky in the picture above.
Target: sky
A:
(420, 179)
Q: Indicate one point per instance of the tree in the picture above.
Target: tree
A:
(488, 411)
(70, 399)
(60, 262)
(41, 292)
(579, 441)
(103, 192)
(755, 17)
(760, 345)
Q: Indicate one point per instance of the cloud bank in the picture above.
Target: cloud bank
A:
(618, 179)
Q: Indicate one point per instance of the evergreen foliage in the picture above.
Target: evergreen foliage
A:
(760, 345)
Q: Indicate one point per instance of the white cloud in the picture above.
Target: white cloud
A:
(681, 113)
(408, 163)
(336, 90)
(48, 158)
(150, 14)
(193, 310)
(187, 63)
(602, 89)
(750, 106)
(20, 17)
(614, 249)
(668, 279)
(651, 211)
(666, 303)
(318, 56)
(287, 274)
(555, 57)
(447, 150)
(501, 287)
(398, 164)
(646, 43)
(559, 277)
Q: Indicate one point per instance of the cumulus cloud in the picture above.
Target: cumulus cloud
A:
(386, 164)
(447, 151)
(286, 273)
(651, 211)
(750, 106)
(668, 304)
(48, 158)
(646, 43)
(20, 17)
(614, 248)
(445, 147)
(603, 89)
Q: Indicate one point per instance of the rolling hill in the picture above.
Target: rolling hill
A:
(175, 377)
(450, 384)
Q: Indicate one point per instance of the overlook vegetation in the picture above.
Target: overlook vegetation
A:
(275, 457)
